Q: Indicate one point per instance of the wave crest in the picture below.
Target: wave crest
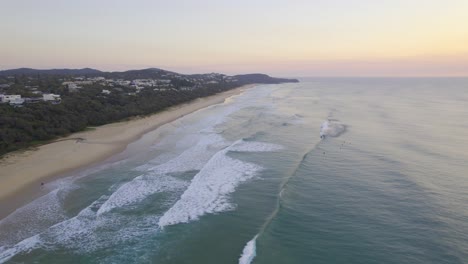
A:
(249, 252)
(208, 190)
(332, 129)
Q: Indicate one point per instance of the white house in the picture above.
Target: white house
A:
(51, 97)
(6, 98)
(73, 87)
(17, 101)
(97, 79)
(106, 91)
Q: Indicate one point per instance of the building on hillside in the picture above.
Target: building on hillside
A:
(51, 97)
(73, 87)
(97, 79)
(17, 102)
(6, 98)
(84, 82)
(106, 91)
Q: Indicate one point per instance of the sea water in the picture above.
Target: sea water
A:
(323, 171)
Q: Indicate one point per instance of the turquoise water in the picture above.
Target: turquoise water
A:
(252, 181)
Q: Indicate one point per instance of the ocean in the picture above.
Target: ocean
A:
(328, 170)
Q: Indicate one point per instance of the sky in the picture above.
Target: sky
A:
(282, 38)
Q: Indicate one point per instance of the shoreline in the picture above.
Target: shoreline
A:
(22, 172)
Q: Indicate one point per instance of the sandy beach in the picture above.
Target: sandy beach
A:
(22, 170)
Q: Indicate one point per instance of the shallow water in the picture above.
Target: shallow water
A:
(252, 181)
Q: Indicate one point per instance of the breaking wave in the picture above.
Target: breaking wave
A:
(208, 192)
(332, 129)
(138, 189)
(86, 233)
(249, 252)
(193, 158)
(18, 225)
(246, 146)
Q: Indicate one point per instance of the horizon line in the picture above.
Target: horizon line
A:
(256, 72)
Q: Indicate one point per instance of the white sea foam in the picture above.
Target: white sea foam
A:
(252, 146)
(25, 246)
(138, 189)
(86, 233)
(46, 210)
(208, 192)
(249, 252)
(160, 159)
(331, 128)
(92, 228)
(197, 150)
(195, 157)
(59, 234)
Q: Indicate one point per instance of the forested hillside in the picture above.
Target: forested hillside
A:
(30, 123)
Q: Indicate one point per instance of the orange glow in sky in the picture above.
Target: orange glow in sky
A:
(286, 38)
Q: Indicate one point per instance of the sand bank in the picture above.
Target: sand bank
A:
(24, 169)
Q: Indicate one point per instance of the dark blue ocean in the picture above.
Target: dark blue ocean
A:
(343, 170)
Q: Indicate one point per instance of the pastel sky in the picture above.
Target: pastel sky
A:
(284, 38)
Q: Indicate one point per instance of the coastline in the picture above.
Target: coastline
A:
(23, 171)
